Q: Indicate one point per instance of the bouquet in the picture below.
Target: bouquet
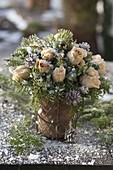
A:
(58, 68)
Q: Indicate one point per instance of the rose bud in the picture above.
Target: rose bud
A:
(59, 74)
(43, 66)
(92, 72)
(81, 64)
(21, 72)
(96, 59)
(48, 53)
(91, 79)
(90, 82)
(76, 55)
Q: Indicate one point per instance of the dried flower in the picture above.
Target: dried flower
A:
(48, 53)
(90, 82)
(59, 74)
(21, 72)
(96, 59)
(92, 72)
(91, 79)
(43, 66)
(76, 55)
(73, 97)
(81, 64)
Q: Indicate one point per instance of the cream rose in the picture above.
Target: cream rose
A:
(76, 55)
(91, 79)
(92, 72)
(43, 66)
(81, 64)
(59, 74)
(90, 82)
(48, 53)
(21, 72)
(96, 59)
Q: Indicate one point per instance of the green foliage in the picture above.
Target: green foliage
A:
(62, 40)
(101, 115)
(22, 139)
(22, 135)
(14, 62)
(12, 93)
(4, 82)
(104, 88)
(101, 122)
(106, 136)
(33, 39)
(19, 56)
(105, 84)
(98, 112)
(89, 114)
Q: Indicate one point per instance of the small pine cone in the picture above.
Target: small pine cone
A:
(73, 97)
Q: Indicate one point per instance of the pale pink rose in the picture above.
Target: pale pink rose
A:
(76, 55)
(21, 72)
(48, 53)
(97, 59)
(59, 74)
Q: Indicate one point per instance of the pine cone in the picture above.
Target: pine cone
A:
(73, 97)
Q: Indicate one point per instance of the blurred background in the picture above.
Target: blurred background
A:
(89, 20)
